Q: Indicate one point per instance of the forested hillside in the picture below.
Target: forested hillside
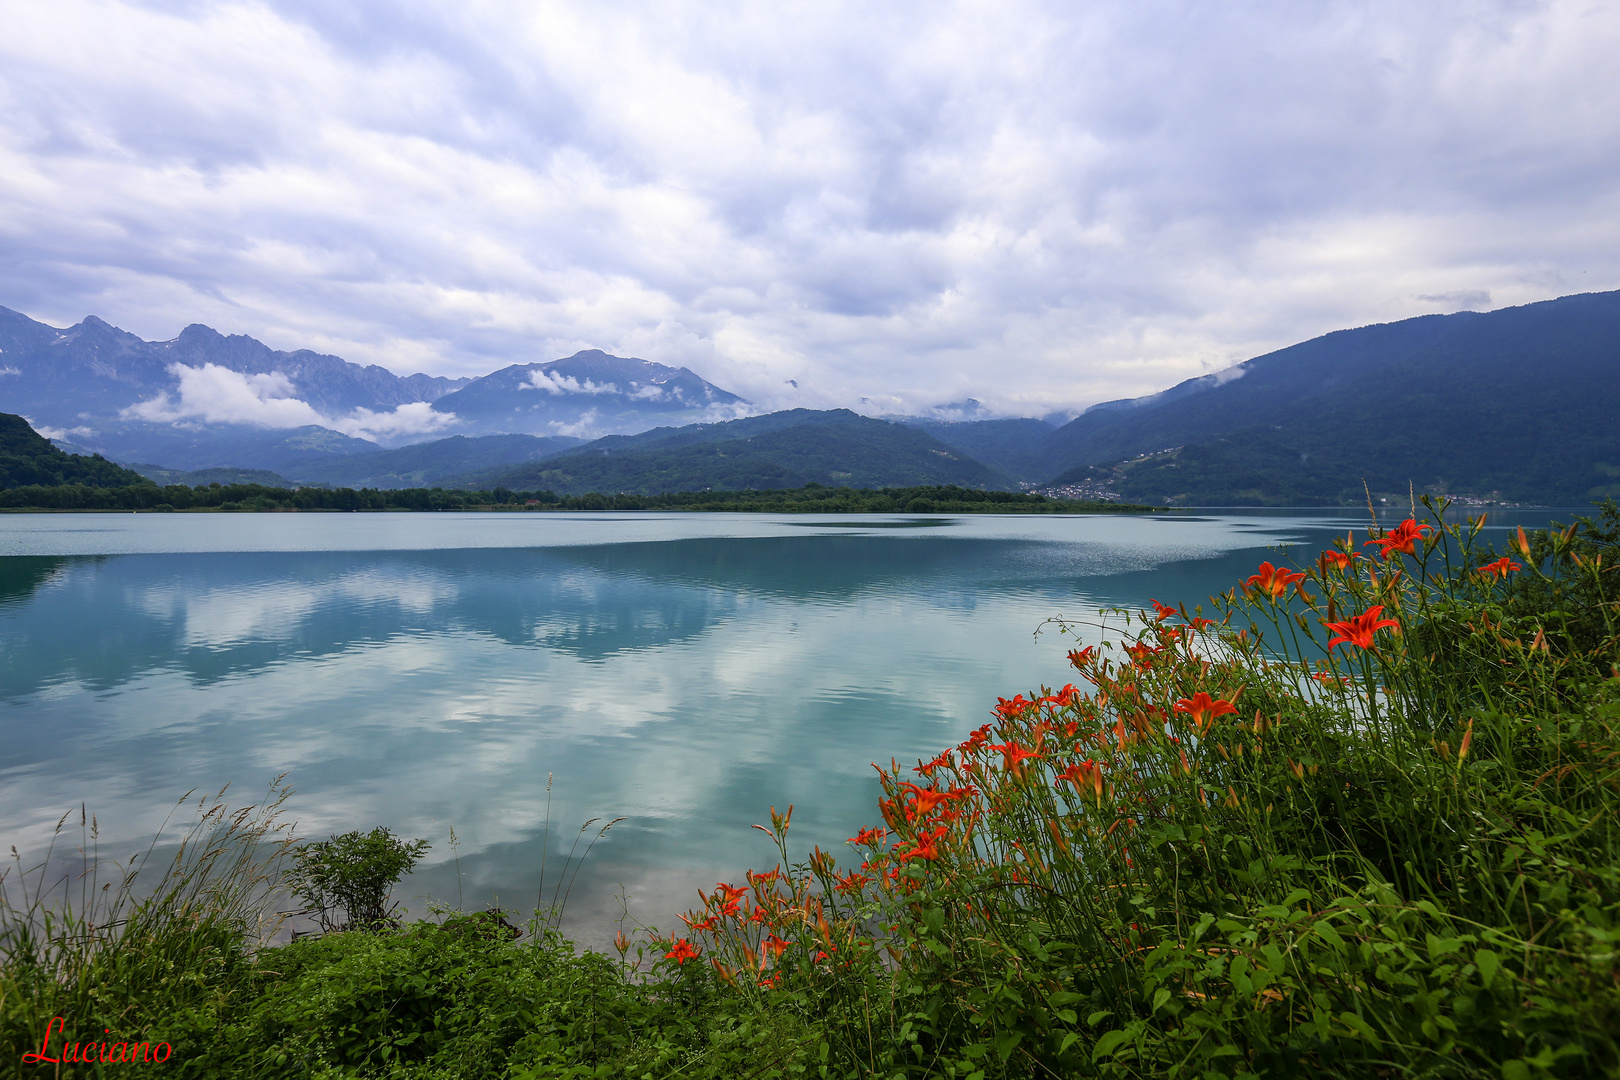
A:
(781, 450)
(27, 457)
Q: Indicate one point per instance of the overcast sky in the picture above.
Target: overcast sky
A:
(1041, 205)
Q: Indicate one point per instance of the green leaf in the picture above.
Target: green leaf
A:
(1160, 996)
(1325, 931)
(1108, 1045)
(1098, 1017)
(1488, 963)
(1359, 1026)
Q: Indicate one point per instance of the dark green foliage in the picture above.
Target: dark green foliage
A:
(463, 1000)
(353, 873)
(1584, 619)
(28, 458)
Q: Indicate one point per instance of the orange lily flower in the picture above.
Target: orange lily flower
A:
(1012, 754)
(1336, 559)
(1085, 774)
(1204, 709)
(1400, 538)
(681, 952)
(1359, 630)
(1271, 581)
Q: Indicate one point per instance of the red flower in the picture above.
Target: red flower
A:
(851, 882)
(682, 952)
(870, 837)
(1501, 568)
(1271, 581)
(1081, 657)
(1012, 754)
(925, 800)
(1142, 653)
(709, 925)
(1203, 709)
(1162, 611)
(1359, 630)
(1009, 708)
(1400, 538)
(1066, 696)
(1337, 559)
(1086, 774)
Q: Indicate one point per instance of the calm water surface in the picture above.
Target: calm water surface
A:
(429, 671)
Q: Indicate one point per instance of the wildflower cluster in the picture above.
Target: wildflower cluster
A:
(1264, 842)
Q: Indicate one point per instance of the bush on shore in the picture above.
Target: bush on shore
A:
(1361, 819)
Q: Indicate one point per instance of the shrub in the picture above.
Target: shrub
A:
(353, 873)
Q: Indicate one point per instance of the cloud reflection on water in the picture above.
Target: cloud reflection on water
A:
(686, 683)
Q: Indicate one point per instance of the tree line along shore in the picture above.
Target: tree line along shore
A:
(812, 498)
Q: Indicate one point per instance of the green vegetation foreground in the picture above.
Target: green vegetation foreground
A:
(1363, 822)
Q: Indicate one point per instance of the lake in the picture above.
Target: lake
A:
(685, 672)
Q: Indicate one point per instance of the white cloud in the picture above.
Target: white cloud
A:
(583, 428)
(553, 383)
(9, 371)
(1033, 203)
(56, 434)
(416, 418)
(218, 395)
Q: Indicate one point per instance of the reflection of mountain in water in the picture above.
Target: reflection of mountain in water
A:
(214, 616)
(20, 575)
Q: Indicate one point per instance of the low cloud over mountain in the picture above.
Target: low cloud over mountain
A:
(217, 395)
(167, 402)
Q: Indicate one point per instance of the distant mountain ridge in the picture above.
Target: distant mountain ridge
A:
(785, 449)
(1521, 404)
(92, 367)
(430, 464)
(614, 391)
(205, 399)
(1518, 404)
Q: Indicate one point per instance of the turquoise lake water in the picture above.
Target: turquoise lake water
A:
(428, 671)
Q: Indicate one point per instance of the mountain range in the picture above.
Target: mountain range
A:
(205, 399)
(1520, 404)
(837, 448)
